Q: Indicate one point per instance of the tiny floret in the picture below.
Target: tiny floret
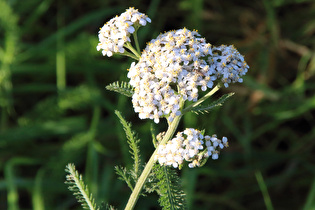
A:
(190, 146)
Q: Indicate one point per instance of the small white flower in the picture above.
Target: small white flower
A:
(229, 64)
(116, 32)
(191, 146)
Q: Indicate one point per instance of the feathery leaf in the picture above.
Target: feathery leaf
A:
(133, 145)
(153, 133)
(169, 188)
(79, 189)
(122, 88)
(202, 109)
(122, 172)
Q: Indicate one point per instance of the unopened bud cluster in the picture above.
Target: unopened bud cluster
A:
(190, 146)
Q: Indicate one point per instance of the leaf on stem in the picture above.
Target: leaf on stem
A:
(169, 188)
(123, 175)
(202, 109)
(123, 88)
(133, 145)
(79, 189)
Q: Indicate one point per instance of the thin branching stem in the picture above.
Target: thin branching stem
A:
(169, 133)
(130, 55)
(146, 171)
(133, 50)
(135, 37)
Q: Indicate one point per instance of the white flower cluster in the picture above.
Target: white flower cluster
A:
(229, 64)
(116, 32)
(172, 68)
(191, 146)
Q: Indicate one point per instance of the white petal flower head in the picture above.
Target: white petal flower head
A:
(191, 146)
(116, 32)
(173, 66)
(229, 64)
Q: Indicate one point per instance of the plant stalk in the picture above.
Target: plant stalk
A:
(146, 171)
(169, 133)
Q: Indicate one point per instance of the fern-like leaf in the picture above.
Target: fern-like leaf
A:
(153, 134)
(109, 207)
(123, 175)
(133, 145)
(169, 188)
(202, 109)
(123, 88)
(79, 189)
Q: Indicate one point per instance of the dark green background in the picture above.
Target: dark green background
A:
(55, 109)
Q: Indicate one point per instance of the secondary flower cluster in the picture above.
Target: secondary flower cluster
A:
(174, 66)
(191, 146)
(229, 64)
(116, 32)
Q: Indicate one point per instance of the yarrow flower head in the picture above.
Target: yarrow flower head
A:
(229, 64)
(116, 32)
(190, 146)
(173, 67)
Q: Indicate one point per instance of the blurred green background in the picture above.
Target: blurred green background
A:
(55, 109)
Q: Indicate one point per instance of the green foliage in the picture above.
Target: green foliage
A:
(124, 175)
(79, 189)
(169, 188)
(122, 88)
(133, 145)
(263, 188)
(79, 97)
(202, 109)
(8, 46)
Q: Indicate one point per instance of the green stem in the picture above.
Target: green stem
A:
(169, 133)
(215, 89)
(135, 37)
(130, 55)
(146, 171)
(129, 46)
